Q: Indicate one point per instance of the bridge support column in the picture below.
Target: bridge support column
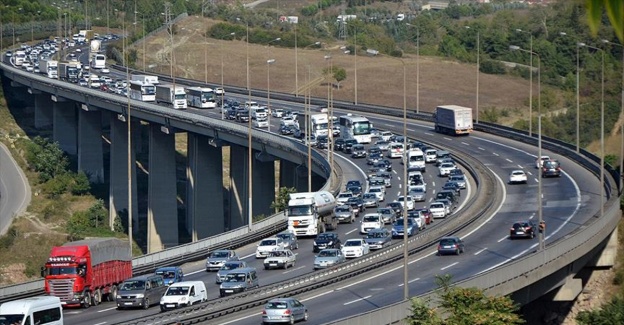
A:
(239, 186)
(606, 258)
(90, 156)
(65, 125)
(162, 210)
(43, 110)
(290, 177)
(569, 290)
(118, 171)
(204, 189)
(263, 183)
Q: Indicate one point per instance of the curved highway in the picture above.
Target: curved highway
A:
(15, 192)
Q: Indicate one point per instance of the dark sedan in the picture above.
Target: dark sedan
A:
(326, 240)
(522, 229)
(339, 144)
(378, 238)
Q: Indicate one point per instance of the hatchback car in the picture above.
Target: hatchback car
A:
(267, 245)
(371, 221)
(358, 151)
(398, 228)
(357, 204)
(348, 145)
(344, 213)
(343, 197)
(328, 258)
(551, 168)
(289, 239)
(459, 179)
(445, 169)
(370, 200)
(339, 144)
(355, 248)
(378, 238)
(517, 176)
(522, 229)
(451, 245)
(326, 240)
(379, 191)
(387, 215)
(218, 258)
(284, 310)
(418, 194)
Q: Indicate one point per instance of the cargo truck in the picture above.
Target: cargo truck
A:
(69, 71)
(170, 94)
(317, 124)
(311, 213)
(49, 68)
(453, 119)
(85, 272)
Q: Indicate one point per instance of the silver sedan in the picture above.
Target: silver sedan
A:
(284, 310)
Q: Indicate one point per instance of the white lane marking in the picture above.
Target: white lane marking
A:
(241, 318)
(356, 300)
(481, 148)
(350, 231)
(447, 138)
(446, 267)
(194, 272)
(520, 166)
(495, 154)
(529, 173)
(429, 133)
(107, 309)
(465, 143)
(294, 269)
(410, 281)
(509, 160)
(481, 251)
(317, 296)
(248, 256)
(412, 130)
(100, 323)
(395, 172)
(500, 240)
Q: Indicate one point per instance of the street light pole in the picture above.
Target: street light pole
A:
(306, 114)
(269, 62)
(539, 140)
(296, 66)
(478, 68)
(355, 100)
(621, 115)
(530, 83)
(578, 97)
(249, 144)
(405, 250)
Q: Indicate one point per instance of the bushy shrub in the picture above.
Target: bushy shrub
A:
(492, 67)
(80, 184)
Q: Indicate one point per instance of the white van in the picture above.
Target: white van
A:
(35, 310)
(431, 155)
(416, 159)
(183, 294)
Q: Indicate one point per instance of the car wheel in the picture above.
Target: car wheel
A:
(457, 251)
(305, 316)
(292, 320)
(146, 303)
(532, 235)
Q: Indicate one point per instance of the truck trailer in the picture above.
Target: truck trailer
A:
(453, 119)
(170, 94)
(146, 79)
(84, 272)
(318, 124)
(69, 71)
(311, 213)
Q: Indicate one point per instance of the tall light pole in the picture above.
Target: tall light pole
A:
(539, 139)
(602, 150)
(222, 88)
(530, 82)
(478, 68)
(269, 62)
(306, 114)
(249, 144)
(129, 162)
(417, 66)
(405, 250)
(296, 66)
(355, 88)
(621, 114)
(578, 97)
(330, 133)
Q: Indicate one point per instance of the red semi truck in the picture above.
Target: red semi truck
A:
(84, 272)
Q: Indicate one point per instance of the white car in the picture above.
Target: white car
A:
(219, 91)
(268, 245)
(395, 150)
(517, 176)
(386, 135)
(288, 121)
(343, 197)
(277, 112)
(431, 155)
(355, 248)
(260, 124)
(105, 70)
(437, 209)
(380, 191)
(371, 221)
(540, 162)
(281, 258)
(445, 169)
(420, 219)
(409, 202)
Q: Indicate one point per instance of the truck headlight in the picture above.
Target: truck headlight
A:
(118, 297)
(140, 296)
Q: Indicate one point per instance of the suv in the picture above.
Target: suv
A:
(551, 168)
(348, 145)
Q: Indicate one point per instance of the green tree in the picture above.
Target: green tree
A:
(615, 12)
(80, 185)
(464, 306)
(610, 314)
(46, 158)
(281, 202)
(340, 74)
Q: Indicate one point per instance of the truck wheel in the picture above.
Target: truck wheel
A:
(86, 299)
(97, 297)
(112, 294)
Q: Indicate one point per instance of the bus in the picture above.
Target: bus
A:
(99, 61)
(19, 58)
(144, 92)
(44, 310)
(201, 97)
(355, 127)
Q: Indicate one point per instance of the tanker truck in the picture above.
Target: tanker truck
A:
(311, 213)
(85, 272)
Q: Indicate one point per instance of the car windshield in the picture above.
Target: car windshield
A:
(342, 209)
(353, 243)
(166, 274)
(345, 195)
(370, 196)
(230, 266)
(277, 253)
(437, 206)
(375, 190)
(283, 236)
(219, 255)
(268, 242)
(235, 277)
(376, 234)
(177, 291)
(325, 253)
(521, 225)
(399, 222)
(518, 173)
(385, 211)
(371, 219)
(132, 285)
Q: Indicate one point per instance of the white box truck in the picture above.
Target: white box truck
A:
(453, 119)
(49, 68)
(311, 213)
(318, 124)
(170, 94)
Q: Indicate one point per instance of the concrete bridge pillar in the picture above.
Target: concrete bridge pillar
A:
(162, 207)
(43, 110)
(65, 124)
(204, 189)
(90, 155)
(239, 187)
(607, 257)
(291, 176)
(263, 183)
(569, 290)
(118, 171)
